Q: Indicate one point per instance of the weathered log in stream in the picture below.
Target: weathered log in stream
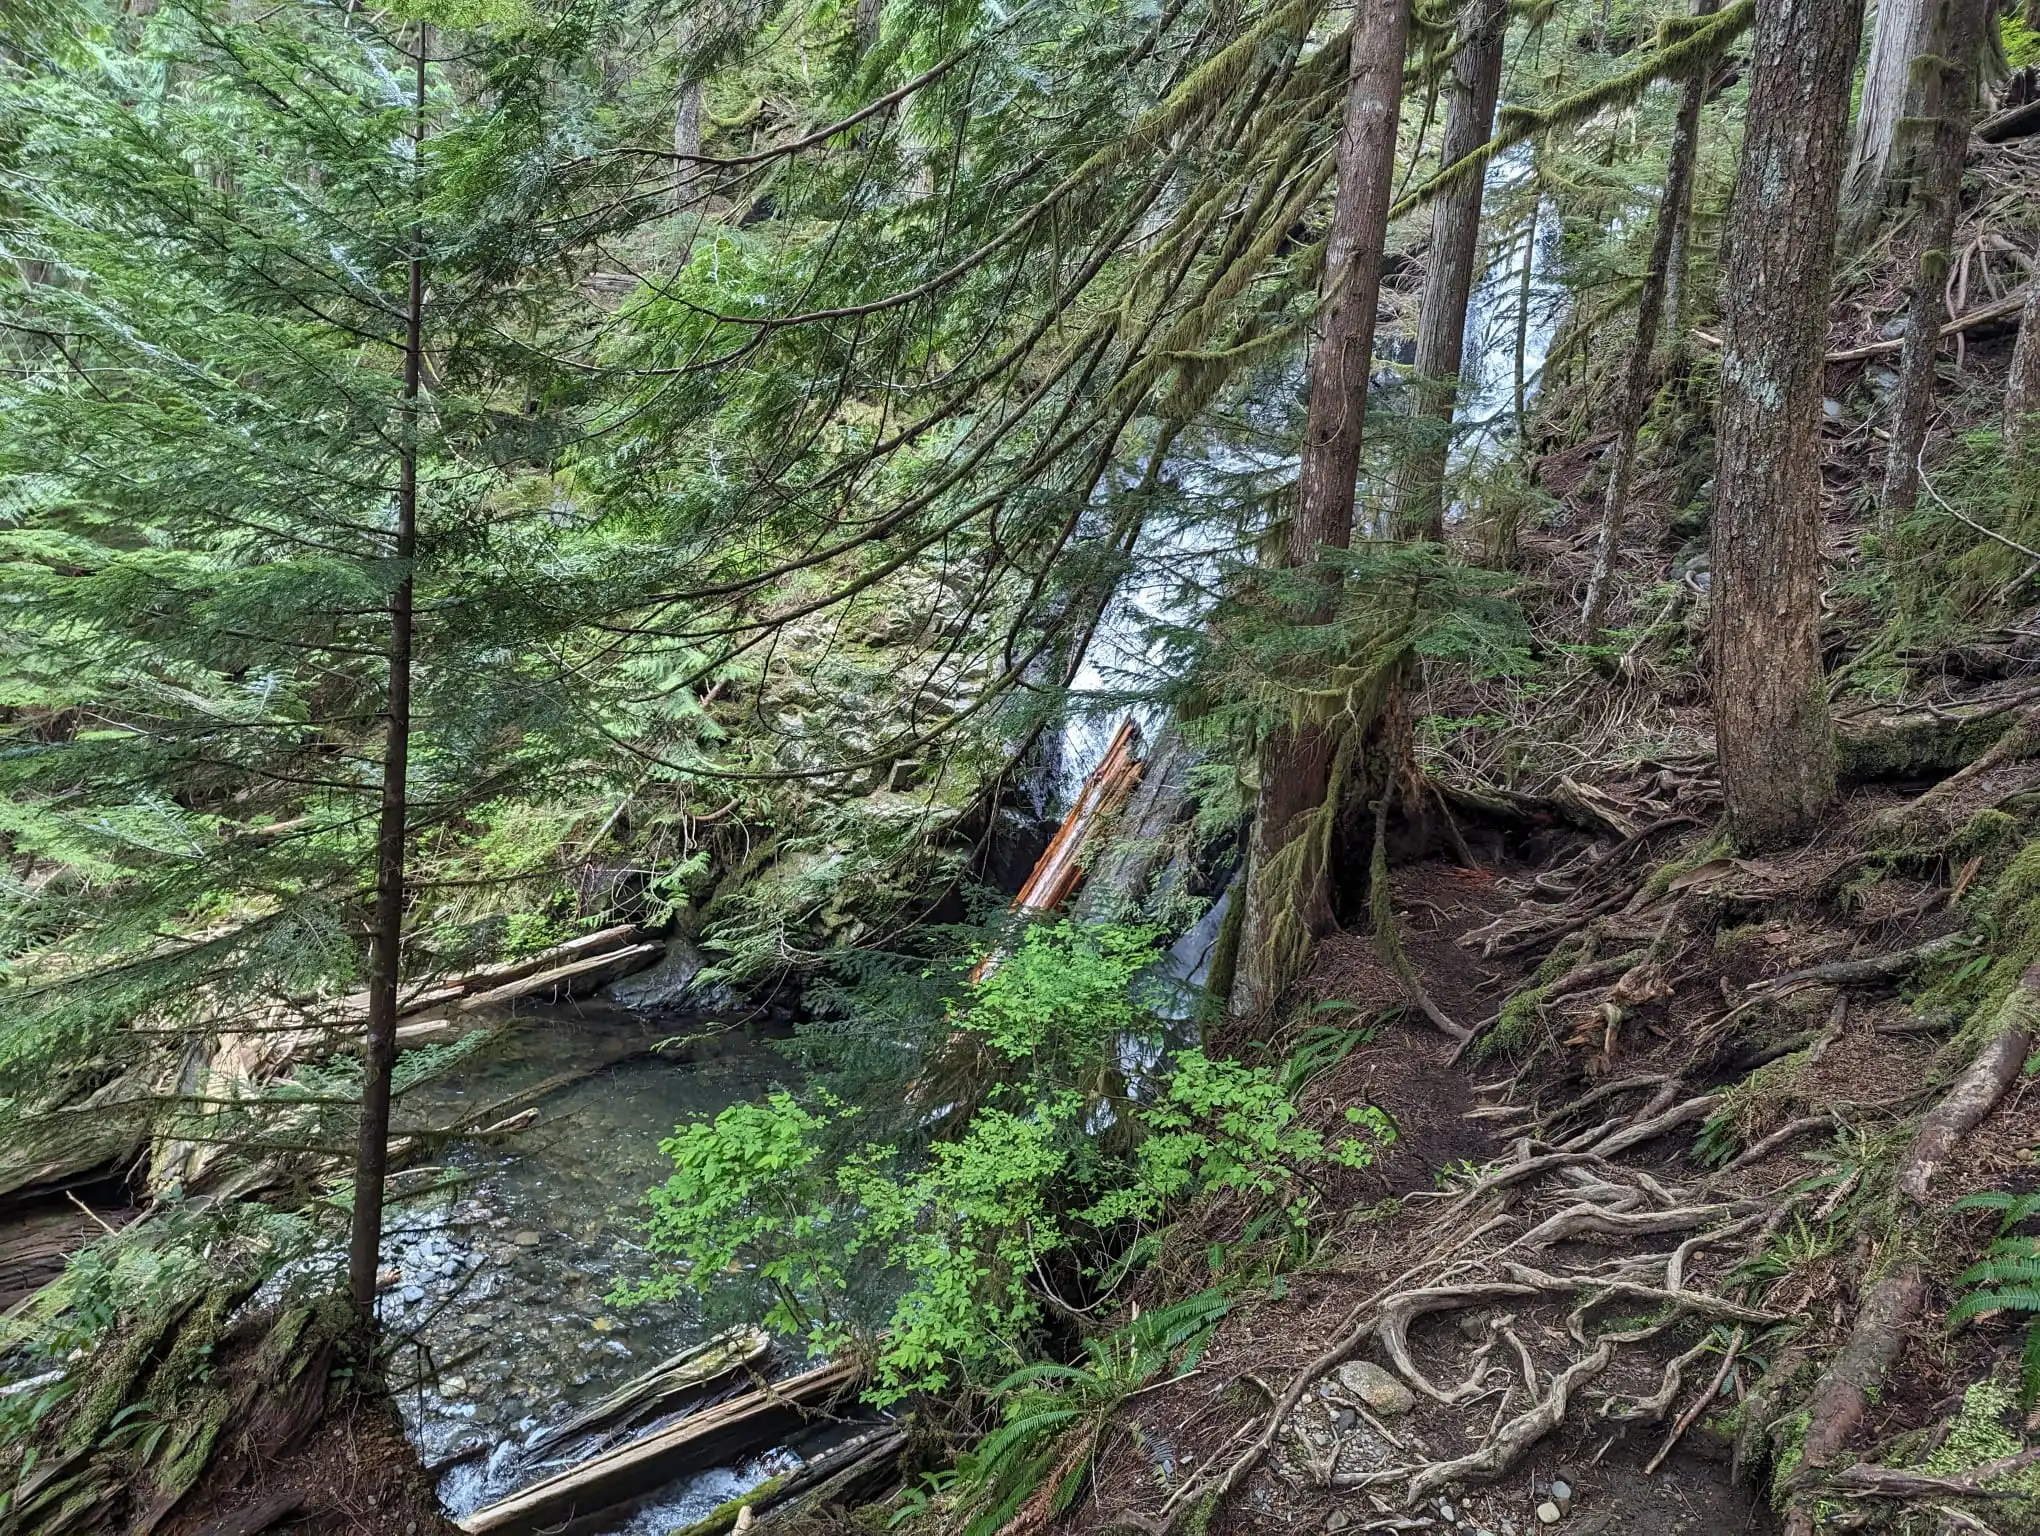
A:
(693, 1370)
(837, 1475)
(581, 1499)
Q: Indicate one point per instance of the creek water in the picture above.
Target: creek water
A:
(501, 1285)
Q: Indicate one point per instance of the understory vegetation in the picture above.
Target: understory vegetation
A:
(1342, 702)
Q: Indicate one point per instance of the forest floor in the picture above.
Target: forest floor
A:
(354, 1474)
(1562, 1154)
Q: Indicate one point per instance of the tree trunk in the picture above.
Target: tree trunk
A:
(1300, 765)
(1940, 105)
(2022, 388)
(686, 121)
(1525, 290)
(1448, 281)
(1899, 38)
(1638, 373)
(1770, 698)
(386, 923)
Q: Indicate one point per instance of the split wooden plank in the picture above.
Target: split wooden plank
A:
(832, 1476)
(693, 1370)
(579, 1499)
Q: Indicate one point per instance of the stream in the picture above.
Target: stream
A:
(501, 1285)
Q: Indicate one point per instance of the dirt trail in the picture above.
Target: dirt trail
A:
(1464, 1266)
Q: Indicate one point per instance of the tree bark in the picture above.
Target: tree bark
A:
(1898, 38)
(1883, 1326)
(1773, 741)
(686, 120)
(1286, 889)
(1448, 280)
(2022, 388)
(1638, 373)
(1976, 1093)
(386, 922)
(1940, 105)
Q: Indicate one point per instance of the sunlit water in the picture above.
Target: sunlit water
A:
(501, 1292)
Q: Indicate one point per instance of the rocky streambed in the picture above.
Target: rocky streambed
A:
(498, 1286)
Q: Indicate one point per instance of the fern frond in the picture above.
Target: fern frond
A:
(2017, 1298)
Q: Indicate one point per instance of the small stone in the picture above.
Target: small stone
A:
(526, 1239)
(1345, 1418)
(1376, 1387)
(1549, 1512)
(1337, 1520)
(1560, 1488)
(1445, 1511)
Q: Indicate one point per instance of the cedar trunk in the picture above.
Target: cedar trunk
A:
(386, 921)
(2022, 388)
(1900, 36)
(1770, 698)
(1448, 281)
(1638, 372)
(1286, 898)
(1942, 102)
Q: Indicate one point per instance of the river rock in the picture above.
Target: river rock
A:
(1376, 1387)
(672, 983)
(1548, 1512)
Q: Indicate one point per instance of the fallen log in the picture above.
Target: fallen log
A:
(1061, 867)
(579, 1499)
(692, 1371)
(1135, 859)
(832, 1475)
(578, 976)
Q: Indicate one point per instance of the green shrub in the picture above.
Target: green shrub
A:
(962, 1230)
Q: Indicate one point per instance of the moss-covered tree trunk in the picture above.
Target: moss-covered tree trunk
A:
(1772, 737)
(1941, 103)
(386, 919)
(1898, 37)
(1638, 372)
(1448, 280)
(1302, 762)
(2022, 386)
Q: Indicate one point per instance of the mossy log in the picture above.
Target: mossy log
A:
(1918, 743)
(832, 1476)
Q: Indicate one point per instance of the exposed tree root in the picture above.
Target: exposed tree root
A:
(1700, 1403)
(1381, 899)
(1507, 1445)
(1591, 1220)
(1843, 1396)
(1791, 1130)
(1649, 1130)
(1867, 971)
(1977, 1091)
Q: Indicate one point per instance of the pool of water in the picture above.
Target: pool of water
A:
(497, 1290)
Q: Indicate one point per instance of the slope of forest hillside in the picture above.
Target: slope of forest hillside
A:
(900, 766)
